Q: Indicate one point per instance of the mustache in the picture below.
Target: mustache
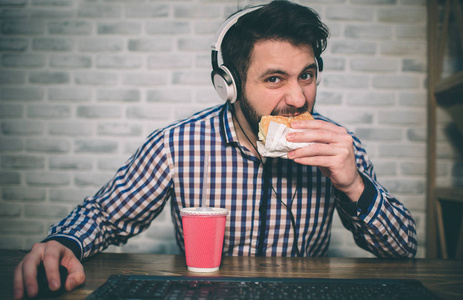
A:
(290, 110)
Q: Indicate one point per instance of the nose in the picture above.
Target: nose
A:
(295, 96)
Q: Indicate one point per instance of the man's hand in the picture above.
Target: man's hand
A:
(332, 152)
(52, 254)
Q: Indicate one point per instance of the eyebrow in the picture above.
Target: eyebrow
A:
(281, 72)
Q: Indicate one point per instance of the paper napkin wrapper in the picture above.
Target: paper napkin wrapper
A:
(276, 144)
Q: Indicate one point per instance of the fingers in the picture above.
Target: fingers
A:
(52, 254)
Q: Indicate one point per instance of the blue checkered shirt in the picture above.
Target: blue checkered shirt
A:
(169, 168)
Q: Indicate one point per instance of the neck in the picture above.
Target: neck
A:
(246, 136)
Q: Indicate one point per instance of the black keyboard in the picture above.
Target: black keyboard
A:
(172, 287)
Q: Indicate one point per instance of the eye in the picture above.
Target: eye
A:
(307, 76)
(273, 79)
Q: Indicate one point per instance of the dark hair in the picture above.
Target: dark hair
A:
(279, 20)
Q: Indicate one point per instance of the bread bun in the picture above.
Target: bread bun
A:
(265, 122)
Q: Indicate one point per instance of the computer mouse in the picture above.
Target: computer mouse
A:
(44, 290)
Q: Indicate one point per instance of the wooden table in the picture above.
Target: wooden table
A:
(443, 277)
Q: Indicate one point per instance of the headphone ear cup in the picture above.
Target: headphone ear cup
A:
(225, 84)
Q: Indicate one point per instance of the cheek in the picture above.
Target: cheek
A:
(262, 100)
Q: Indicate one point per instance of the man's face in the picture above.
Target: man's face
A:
(280, 81)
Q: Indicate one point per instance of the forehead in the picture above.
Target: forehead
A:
(280, 54)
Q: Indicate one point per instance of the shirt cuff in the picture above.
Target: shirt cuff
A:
(364, 202)
(68, 242)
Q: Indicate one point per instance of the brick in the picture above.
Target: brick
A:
(70, 61)
(167, 27)
(118, 61)
(70, 27)
(457, 169)
(402, 117)
(202, 60)
(13, 44)
(148, 112)
(47, 179)
(374, 2)
(70, 195)
(13, 12)
(413, 168)
(169, 61)
(192, 77)
(118, 95)
(149, 45)
(99, 11)
(414, 32)
(112, 163)
(21, 93)
(119, 129)
(379, 134)
(22, 128)
(12, 77)
(146, 11)
(385, 168)
(47, 14)
(119, 28)
(95, 146)
(46, 77)
(45, 211)
(10, 144)
(71, 95)
(346, 80)
(145, 79)
(20, 226)
(22, 28)
(418, 65)
(194, 44)
(417, 134)
(351, 116)
(415, 99)
(23, 60)
(52, 44)
(48, 145)
(101, 45)
(169, 95)
(402, 15)
(353, 47)
(92, 180)
(8, 210)
(334, 63)
(344, 13)
(196, 12)
(23, 162)
(368, 31)
(396, 82)
(70, 128)
(11, 111)
(48, 111)
(372, 99)
(207, 27)
(12, 242)
(8, 177)
(70, 163)
(96, 112)
(404, 48)
(404, 186)
(209, 95)
(402, 151)
(96, 78)
(380, 65)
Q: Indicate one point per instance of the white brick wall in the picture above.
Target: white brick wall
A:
(82, 83)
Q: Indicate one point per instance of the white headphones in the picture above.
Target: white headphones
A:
(223, 78)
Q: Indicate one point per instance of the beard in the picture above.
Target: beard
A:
(253, 117)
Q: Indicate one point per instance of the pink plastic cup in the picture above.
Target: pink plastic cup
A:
(203, 232)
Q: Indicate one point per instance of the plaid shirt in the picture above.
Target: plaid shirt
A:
(170, 166)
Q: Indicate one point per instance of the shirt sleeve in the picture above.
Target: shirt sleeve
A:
(378, 221)
(122, 208)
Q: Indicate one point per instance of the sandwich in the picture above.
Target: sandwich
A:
(265, 123)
